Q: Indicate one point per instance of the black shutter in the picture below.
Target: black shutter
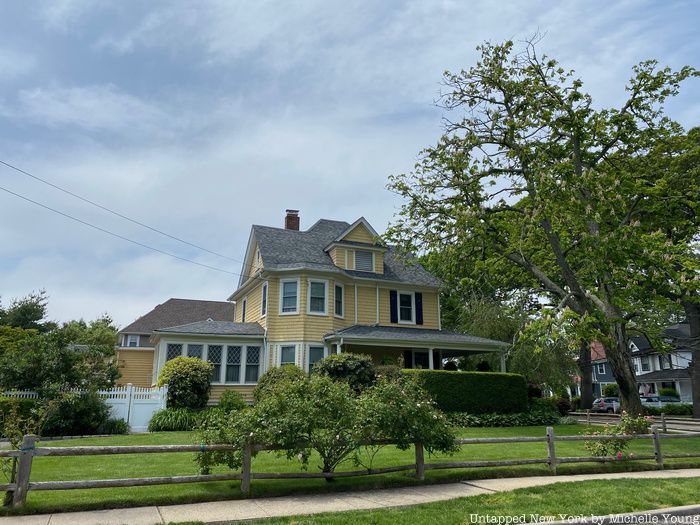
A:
(419, 308)
(407, 359)
(393, 305)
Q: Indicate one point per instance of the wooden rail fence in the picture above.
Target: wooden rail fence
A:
(28, 451)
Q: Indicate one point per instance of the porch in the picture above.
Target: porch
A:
(419, 348)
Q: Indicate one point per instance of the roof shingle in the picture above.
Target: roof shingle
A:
(216, 328)
(175, 312)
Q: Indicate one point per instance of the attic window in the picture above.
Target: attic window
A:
(364, 261)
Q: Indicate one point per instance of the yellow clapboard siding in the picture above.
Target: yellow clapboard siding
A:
(253, 304)
(338, 256)
(136, 367)
(217, 390)
(366, 305)
(359, 234)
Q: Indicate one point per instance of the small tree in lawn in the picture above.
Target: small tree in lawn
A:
(188, 380)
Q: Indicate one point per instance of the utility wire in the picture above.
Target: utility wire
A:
(120, 215)
(103, 230)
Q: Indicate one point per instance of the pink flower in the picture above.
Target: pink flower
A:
(619, 455)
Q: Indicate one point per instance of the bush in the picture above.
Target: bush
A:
(392, 372)
(675, 409)
(568, 420)
(533, 390)
(114, 426)
(611, 390)
(668, 392)
(270, 381)
(474, 392)
(357, 370)
(564, 406)
(616, 447)
(16, 408)
(77, 415)
(231, 401)
(576, 402)
(521, 419)
(188, 380)
(174, 420)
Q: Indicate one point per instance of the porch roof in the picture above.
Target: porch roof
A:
(669, 374)
(210, 327)
(413, 337)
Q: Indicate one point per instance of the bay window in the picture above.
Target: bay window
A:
(317, 297)
(289, 291)
(339, 300)
(252, 364)
(288, 354)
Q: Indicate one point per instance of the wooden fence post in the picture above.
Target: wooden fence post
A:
(663, 422)
(551, 453)
(657, 447)
(588, 417)
(24, 470)
(420, 462)
(245, 471)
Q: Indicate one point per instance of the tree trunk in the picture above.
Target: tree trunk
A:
(692, 312)
(621, 364)
(586, 372)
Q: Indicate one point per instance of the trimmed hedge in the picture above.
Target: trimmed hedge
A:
(474, 392)
(669, 410)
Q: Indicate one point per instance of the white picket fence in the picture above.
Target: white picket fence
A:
(134, 405)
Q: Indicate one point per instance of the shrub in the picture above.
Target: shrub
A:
(520, 419)
(576, 402)
(230, 401)
(564, 406)
(188, 380)
(611, 390)
(568, 420)
(474, 392)
(533, 390)
(15, 406)
(114, 426)
(174, 420)
(77, 415)
(676, 409)
(269, 382)
(668, 392)
(357, 370)
(392, 372)
(616, 447)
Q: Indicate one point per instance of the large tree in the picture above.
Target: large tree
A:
(529, 173)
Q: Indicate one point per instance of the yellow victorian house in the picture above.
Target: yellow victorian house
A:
(303, 294)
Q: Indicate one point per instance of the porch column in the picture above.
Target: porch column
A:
(338, 348)
(430, 359)
(503, 362)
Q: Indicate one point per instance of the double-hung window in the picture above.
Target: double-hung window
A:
(288, 354)
(407, 308)
(646, 365)
(172, 351)
(316, 353)
(195, 350)
(214, 354)
(601, 368)
(290, 297)
(233, 364)
(132, 340)
(364, 260)
(317, 297)
(252, 364)
(339, 300)
(263, 301)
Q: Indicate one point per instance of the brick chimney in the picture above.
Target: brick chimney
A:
(291, 220)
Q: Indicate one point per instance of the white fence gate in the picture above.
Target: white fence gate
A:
(132, 404)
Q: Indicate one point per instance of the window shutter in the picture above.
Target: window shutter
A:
(407, 359)
(419, 308)
(393, 305)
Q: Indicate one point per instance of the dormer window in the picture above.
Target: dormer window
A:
(364, 260)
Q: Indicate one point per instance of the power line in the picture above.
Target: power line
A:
(120, 215)
(118, 236)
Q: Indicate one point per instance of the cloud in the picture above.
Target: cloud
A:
(15, 64)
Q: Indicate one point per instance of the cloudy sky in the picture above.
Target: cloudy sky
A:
(202, 118)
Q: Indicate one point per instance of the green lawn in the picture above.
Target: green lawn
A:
(123, 466)
(586, 498)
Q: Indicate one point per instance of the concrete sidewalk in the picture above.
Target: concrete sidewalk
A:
(224, 511)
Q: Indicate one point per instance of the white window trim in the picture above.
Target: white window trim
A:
(222, 364)
(325, 296)
(354, 259)
(399, 293)
(128, 340)
(264, 299)
(341, 286)
(308, 353)
(282, 281)
(279, 353)
(601, 371)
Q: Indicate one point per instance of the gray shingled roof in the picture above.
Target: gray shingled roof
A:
(399, 333)
(174, 312)
(664, 375)
(215, 328)
(283, 249)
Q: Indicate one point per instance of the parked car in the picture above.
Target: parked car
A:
(606, 404)
(659, 401)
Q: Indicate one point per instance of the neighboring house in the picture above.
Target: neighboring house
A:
(305, 294)
(135, 351)
(653, 370)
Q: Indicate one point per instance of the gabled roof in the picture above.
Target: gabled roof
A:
(642, 344)
(282, 249)
(175, 312)
(215, 328)
(354, 225)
